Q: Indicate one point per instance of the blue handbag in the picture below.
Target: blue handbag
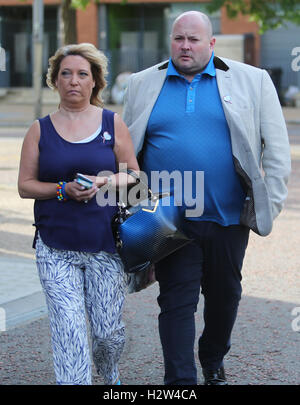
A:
(149, 231)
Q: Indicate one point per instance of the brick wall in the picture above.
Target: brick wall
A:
(87, 24)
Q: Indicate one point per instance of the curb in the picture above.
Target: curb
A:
(22, 310)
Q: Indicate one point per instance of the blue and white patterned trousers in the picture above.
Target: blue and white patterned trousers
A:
(75, 283)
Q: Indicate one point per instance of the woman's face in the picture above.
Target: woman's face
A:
(75, 81)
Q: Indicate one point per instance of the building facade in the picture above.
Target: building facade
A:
(135, 35)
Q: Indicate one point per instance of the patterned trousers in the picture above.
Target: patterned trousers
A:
(76, 283)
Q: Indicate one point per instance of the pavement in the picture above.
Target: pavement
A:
(265, 341)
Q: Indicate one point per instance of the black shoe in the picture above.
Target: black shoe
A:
(214, 377)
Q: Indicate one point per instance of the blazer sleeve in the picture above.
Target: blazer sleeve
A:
(276, 159)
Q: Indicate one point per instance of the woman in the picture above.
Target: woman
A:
(77, 261)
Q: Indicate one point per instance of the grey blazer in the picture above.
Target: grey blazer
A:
(259, 138)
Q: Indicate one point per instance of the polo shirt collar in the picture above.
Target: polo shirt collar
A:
(209, 70)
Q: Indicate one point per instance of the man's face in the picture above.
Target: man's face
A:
(191, 45)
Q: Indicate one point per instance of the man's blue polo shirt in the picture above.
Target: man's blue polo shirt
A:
(187, 131)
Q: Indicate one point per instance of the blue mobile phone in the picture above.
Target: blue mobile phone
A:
(83, 180)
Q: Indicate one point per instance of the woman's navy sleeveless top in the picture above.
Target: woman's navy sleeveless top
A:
(72, 225)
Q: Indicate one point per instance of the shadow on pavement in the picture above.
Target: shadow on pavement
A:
(265, 349)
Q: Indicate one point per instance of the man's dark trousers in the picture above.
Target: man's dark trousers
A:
(214, 262)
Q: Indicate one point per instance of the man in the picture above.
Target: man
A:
(203, 113)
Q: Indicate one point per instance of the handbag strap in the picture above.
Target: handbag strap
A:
(139, 181)
(133, 174)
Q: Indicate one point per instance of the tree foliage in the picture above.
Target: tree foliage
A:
(268, 14)
(80, 3)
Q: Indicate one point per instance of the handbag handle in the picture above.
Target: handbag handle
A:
(138, 180)
(132, 173)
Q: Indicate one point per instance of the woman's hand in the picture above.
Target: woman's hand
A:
(79, 193)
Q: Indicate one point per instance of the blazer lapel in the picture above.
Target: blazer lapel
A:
(232, 111)
(153, 89)
(145, 92)
(149, 94)
(226, 96)
(236, 114)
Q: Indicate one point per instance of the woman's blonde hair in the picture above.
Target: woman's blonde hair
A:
(97, 60)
